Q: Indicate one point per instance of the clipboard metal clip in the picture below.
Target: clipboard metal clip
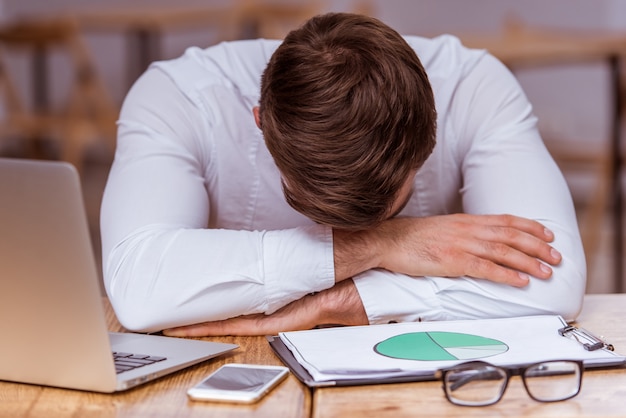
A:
(589, 341)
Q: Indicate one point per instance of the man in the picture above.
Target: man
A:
(334, 178)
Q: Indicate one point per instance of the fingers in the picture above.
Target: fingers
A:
(520, 244)
(509, 250)
(516, 223)
(197, 330)
(533, 257)
(297, 315)
(243, 325)
(481, 268)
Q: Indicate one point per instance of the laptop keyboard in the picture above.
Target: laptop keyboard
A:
(128, 361)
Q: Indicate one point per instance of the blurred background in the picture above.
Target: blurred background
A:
(66, 65)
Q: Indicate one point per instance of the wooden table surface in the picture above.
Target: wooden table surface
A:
(603, 392)
(165, 397)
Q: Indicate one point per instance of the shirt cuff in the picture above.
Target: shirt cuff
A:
(391, 297)
(296, 262)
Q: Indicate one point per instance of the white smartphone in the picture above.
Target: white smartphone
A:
(246, 383)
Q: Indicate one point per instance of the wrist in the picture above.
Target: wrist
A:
(355, 252)
(341, 305)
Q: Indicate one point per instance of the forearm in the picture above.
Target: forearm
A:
(501, 248)
(339, 305)
(390, 297)
(163, 278)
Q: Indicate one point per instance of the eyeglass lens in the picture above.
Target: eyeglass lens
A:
(481, 384)
(475, 385)
(553, 381)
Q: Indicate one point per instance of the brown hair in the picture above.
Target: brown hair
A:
(347, 113)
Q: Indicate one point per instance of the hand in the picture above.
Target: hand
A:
(339, 305)
(501, 248)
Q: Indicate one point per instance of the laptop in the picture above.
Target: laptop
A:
(52, 319)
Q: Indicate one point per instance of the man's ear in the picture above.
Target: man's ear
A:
(257, 117)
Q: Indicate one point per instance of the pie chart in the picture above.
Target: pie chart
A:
(439, 346)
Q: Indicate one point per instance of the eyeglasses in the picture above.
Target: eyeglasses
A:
(477, 383)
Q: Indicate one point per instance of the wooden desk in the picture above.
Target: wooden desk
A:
(518, 47)
(602, 395)
(165, 397)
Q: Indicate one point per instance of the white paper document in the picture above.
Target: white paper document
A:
(422, 348)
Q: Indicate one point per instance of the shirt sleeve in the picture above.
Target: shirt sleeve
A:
(162, 266)
(505, 169)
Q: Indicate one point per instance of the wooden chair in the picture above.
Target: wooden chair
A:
(87, 116)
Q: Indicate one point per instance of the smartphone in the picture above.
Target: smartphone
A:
(245, 383)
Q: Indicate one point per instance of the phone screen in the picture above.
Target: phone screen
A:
(239, 379)
(238, 383)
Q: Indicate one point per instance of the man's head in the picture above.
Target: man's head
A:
(348, 115)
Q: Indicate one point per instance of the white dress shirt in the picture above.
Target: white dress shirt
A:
(195, 226)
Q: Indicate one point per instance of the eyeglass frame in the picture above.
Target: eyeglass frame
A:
(508, 373)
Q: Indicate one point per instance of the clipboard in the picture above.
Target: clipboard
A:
(288, 359)
(527, 340)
